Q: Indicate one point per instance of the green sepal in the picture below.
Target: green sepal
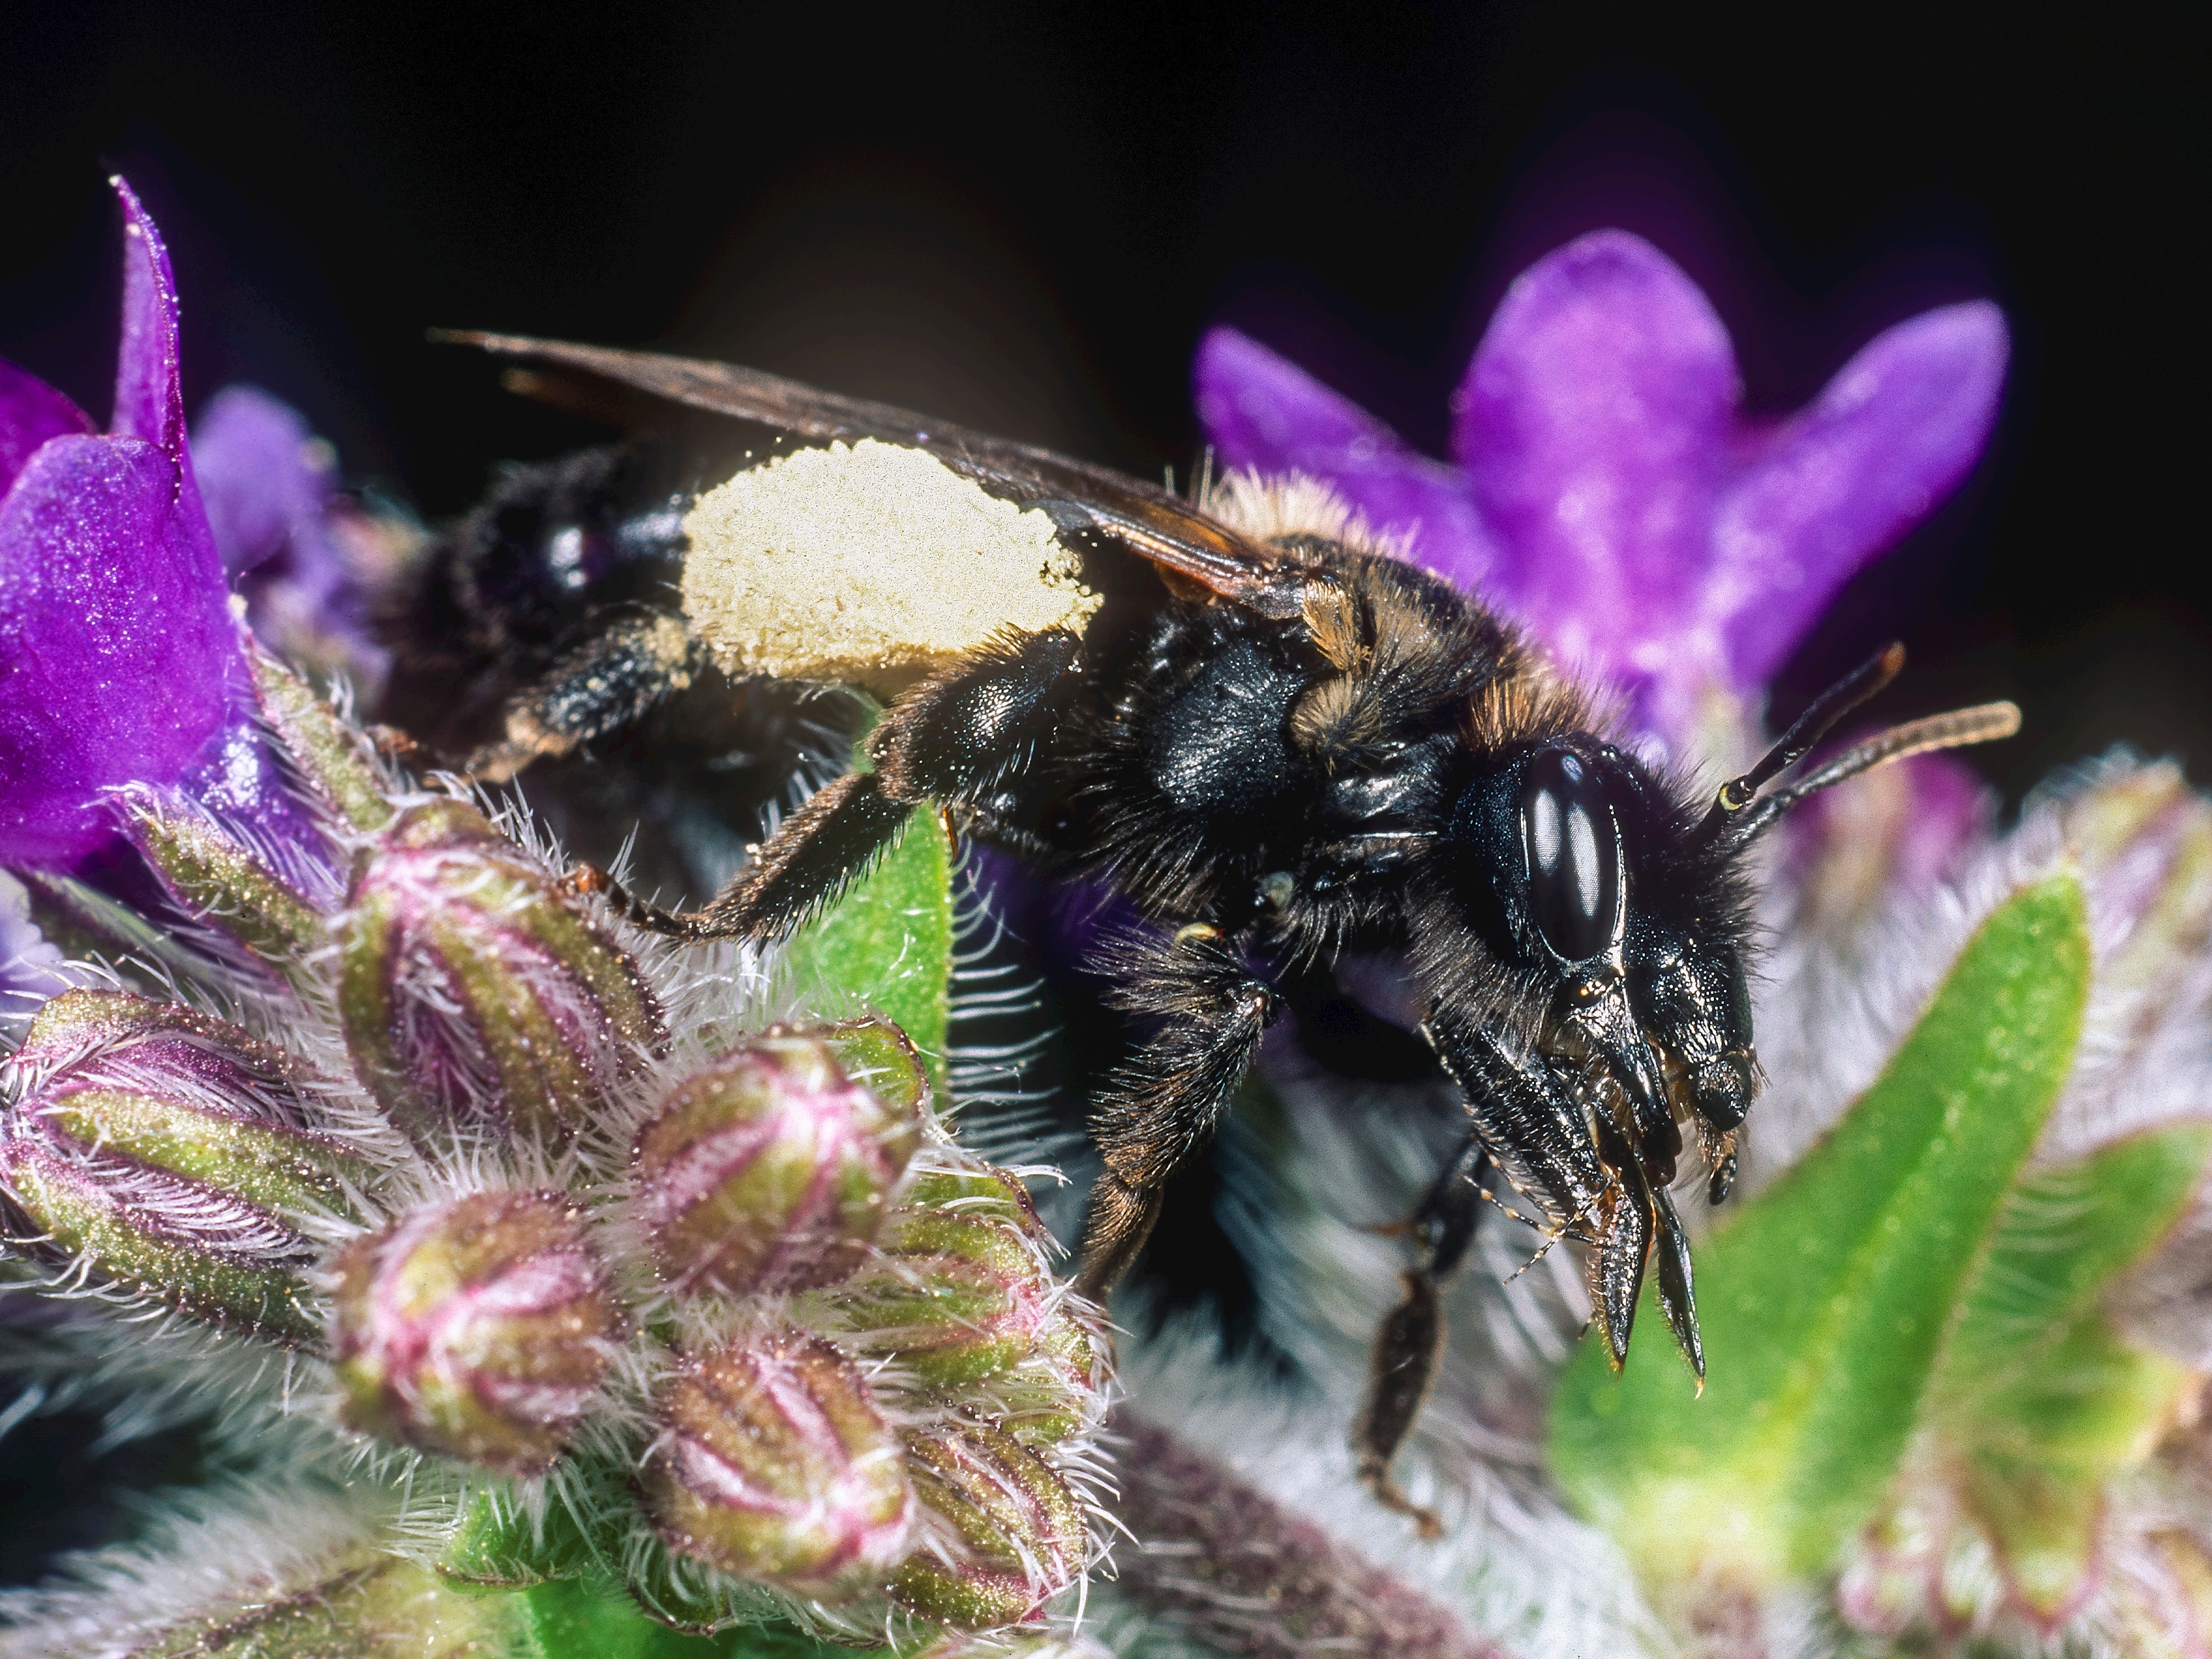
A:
(225, 885)
(327, 753)
(373, 1607)
(286, 1171)
(2038, 1402)
(595, 1618)
(82, 1221)
(86, 922)
(496, 1545)
(886, 943)
(593, 1585)
(1825, 1302)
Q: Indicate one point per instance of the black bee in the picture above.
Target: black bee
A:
(1288, 747)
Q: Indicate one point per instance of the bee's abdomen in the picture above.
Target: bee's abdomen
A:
(519, 581)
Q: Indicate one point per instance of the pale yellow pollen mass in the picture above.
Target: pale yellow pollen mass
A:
(871, 564)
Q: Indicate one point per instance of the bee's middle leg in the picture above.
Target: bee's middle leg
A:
(1403, 1361)
(1162, 1107)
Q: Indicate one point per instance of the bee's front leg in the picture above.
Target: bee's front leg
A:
(1161, 1106)
(1404, 1359)
(1522, 1107)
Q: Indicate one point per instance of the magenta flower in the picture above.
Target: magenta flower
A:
(119, 662)
(1610, 493)
(292, 544)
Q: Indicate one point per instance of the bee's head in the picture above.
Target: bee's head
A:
(1587, 875)
(1581, 869)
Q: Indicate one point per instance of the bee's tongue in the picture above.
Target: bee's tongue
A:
(1612, 1033)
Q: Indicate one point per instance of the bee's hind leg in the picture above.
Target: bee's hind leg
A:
(600, 687)
(1403, 1360)
(958, 738)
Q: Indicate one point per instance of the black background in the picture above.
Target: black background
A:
(1023, 217)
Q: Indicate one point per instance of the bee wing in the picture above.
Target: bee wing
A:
(1081, 499)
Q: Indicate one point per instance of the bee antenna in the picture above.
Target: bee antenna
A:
(1985, 723)
(1831, 706)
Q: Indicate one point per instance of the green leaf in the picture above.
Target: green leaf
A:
(496, 1547)
(2038, 1402)
(594, 1618)
(567, 1580)
(887, 942)
(1825, 1302)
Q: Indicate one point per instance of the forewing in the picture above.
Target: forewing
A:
(1081, 499)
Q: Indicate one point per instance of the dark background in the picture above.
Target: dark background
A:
(1023, 218)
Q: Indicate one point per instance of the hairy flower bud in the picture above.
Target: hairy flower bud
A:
(1013, 1535)
(223, 882)
(480, 1328)
(770, 1169)
(2142, 839)
(327, 752)
(174, 1154)
(775, 1463)
(473, 993)
(876, 1055)
(958, 1295)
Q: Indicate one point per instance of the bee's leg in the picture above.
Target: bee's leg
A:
(1161, 1106)
(955, 738)
(1341, 1034)
(1526, 1110)
(600, 687)
(1412, 1337)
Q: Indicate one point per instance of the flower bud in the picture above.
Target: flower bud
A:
(2142, 840)
(1013, 1532)
(958, 1296)
(769, 1169)
(480, 1330)
(174, 1154)
(221, 881)
(472, 992)
(327, 751)
(774, 1463)
(881, 1058)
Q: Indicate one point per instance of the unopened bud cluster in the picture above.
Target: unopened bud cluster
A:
(441, 1153)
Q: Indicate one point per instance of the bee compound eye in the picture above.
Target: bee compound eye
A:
(1574, 854)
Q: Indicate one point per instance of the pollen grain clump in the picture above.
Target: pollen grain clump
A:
(871, 564)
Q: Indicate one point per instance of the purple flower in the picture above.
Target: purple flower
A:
(1610, 491)
(31, 966)
(293, 544)
(120, 660)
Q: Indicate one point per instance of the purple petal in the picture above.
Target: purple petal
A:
(31, 966)
(236, 778)
(31, 411)
(1264, 412)
(1896, 431)
(115, 635)
(150, 400)
(1594, 424)
(261, 473)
